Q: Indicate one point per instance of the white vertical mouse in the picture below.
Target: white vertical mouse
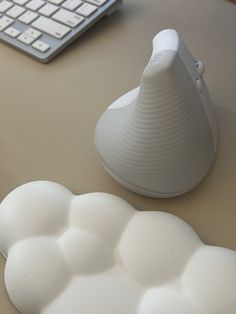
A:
(160, 139)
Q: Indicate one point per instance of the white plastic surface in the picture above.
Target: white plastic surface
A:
(95, 254)
(160, 140)
(168, 39)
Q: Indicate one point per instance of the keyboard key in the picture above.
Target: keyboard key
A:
(71, 4)
(25, 39)
(12, 32)
(5, 5)
(40, 46)
(15, 11)
(86, 9)
(56, 1)
(48, 9)
(33, 33)
(28, 17)
(5, 22)
(20, 2)
(68, 18)
(34, 5)
(97, 2)
(50, 27)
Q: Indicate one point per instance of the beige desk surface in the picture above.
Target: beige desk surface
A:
(49, 112)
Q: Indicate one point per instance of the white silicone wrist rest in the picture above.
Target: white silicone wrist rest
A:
(95, 254)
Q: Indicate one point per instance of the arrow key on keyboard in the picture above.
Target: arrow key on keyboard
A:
(40, 46)
(12, 32)
(25, 39)
(33, 33)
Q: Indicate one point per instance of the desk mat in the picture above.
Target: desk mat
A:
(96, 254)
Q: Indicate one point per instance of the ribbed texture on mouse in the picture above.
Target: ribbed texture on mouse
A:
(161, 142)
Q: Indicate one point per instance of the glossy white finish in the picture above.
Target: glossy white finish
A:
(160, 140)
(95, 254)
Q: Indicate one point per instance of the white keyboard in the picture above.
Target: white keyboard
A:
(43, 28)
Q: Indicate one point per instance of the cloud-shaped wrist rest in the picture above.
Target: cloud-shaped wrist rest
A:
(95, 254)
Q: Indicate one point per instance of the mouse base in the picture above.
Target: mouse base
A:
(143, 191)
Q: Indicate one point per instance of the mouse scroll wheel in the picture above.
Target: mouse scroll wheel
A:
(200, 67)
